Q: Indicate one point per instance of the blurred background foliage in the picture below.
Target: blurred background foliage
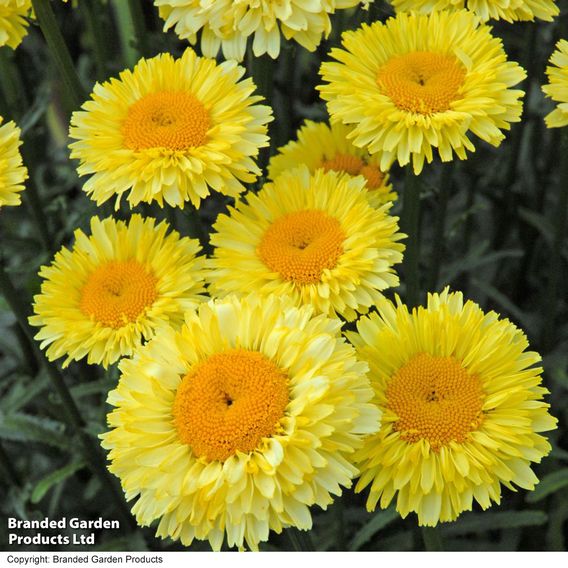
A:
(501, 246)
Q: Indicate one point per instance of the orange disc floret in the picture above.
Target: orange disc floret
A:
(117, 293)
(170, 120)
(300, 246)
(435, 399)
(422, 82)
(229, 402)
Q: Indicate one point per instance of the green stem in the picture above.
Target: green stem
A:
(171, 217)
(196, 229)
(131, 29)
(12, 88)
(337, 28)
(6, 465)
(27, 348)
(507, 211)
(410, 224)
(374, 11)
(301, 540)
(33, 199)
(4, 109)
(87, 373)
(438, 245)
(556, 262)
(48, 24)
(432, 539)
(73, 416)
(140, 32)
(286, 86)
(14, 93)
(531, 65)
(339, 507)
(462, 282)
(262, 70)
(90, 10)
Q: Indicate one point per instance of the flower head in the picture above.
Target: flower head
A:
(421, 82)
(462, 407)
(13, 23)
(314, 237)
(12, 171)
(170, 130)
(115, 288)
(229, 24)
(322, 146)
(238, 423)
(509, 10)
(557, 87)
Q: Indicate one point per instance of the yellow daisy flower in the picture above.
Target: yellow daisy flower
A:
(421, 82)
(228, 25)
(238, 423)
(313, 237)
(170, 130)
(12, 171)
(509, 10)
(322, 146)
(462, 408)
(13, 23)
(116, 288)
(557, 87)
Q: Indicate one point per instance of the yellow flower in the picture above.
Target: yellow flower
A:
(13, 23)
(170, 130)
(229, 24)
(12, 171)
(509, 10)
(116, 288)
(462, 408)
(422, 82)
(313, 237)
(240, 422)
(322, 146)
(557, 87)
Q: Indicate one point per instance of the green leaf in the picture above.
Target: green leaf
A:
(398, 542)
(23, 392)
(558, 453)
(21, 427)
(495, 520)
(101, 386)
(548, 485)
(556, 363)
(36, 112)
(476, 258)
(539, 222)
(54, 478)
(378, 522)
(517, 314)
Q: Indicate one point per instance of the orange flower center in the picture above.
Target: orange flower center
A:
(373, 175)
(422, 82)
(229, 402)
(353, 165)
(344, 163)
(301, 245)
(172, 120)
(435, 399)
(117, 292)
